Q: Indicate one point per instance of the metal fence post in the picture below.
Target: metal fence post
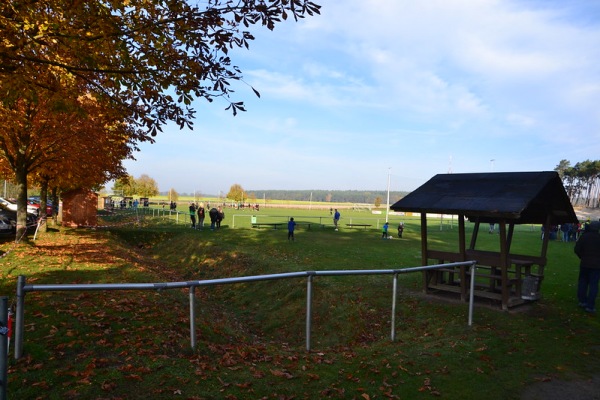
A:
(19, 317)
(308, 309)
(394, 296)
(192, 317)
(471, 293)
(3, 346)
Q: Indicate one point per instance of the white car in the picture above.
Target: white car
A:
(13, 206)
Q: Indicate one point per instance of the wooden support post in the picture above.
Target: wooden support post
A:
(424, 250)
(504, 265)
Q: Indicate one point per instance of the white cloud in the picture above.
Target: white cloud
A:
(521, 120)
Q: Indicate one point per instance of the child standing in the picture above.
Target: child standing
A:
(384, 230)
(291, 227)
(400, 229)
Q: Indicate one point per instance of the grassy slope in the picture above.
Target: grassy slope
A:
(92, 345)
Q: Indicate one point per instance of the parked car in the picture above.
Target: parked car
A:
(11, 205)
(9, 217)
(36, 204)
(6, 227)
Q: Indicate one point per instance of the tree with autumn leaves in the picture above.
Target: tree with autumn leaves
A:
(236, 193)
(62, 143)
(144, 186)
(136, 64)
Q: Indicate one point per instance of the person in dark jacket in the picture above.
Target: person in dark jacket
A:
(587, 249)
(213, 214)
(193, 215)
(220, 216)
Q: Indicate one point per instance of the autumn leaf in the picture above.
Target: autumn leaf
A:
(313, 377)
(282, 374)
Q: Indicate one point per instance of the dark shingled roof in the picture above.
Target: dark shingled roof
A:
(518, 197)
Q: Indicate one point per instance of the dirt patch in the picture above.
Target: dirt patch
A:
(581, 389)
(583, 213)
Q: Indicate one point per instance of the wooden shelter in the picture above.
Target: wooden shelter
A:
(506, 199)
(79, 208)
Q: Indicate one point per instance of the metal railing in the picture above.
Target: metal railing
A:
(23, 288)
(375, 222)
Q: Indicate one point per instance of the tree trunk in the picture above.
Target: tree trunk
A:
(43, 202)
(54, 198)
(21, 180)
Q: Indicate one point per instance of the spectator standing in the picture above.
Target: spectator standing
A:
(213, 214)
(384, 230)
(400, 229)
(291, 227)
(566, 232)
(193, 215)
(587, 249)
(336, 219)
(220, 216)
(201, 216)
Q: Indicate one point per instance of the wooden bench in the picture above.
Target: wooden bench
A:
(358, 225)
(273, 224)
(308, 224)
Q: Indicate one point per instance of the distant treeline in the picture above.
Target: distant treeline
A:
(581, 181)
(336, 196)
(329, 196)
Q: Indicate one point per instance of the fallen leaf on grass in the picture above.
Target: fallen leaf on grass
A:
(223, 383)
(313, 377)
(283, 374)
(108, 386)
(134, 377)
(257, 374)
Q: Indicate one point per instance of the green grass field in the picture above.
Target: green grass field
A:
(251, 336)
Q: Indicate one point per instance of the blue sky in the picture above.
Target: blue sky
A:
(409, 88)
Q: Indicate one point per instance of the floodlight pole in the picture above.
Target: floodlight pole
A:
(387, 209)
